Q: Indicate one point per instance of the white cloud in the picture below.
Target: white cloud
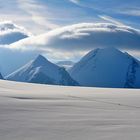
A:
(10, 32)
(76, 39)
(110, 19)
(36, 12)
(75, 1)
(34, 15)
(130, 12)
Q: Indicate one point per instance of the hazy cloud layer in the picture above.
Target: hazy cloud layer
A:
(68, 43)
(79, 38)
(75, 1)
(39, 16)
(38, 12)
(10, 32)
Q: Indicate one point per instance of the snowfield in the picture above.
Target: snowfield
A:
(41, 112)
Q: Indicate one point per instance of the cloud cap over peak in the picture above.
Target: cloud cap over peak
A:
(82, 37)
(10, 33)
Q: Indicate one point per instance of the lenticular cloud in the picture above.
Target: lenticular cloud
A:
(84, 36)
(10, 33)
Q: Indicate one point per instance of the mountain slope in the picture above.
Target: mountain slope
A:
(107, 67)
(1, 77)
(42, 71)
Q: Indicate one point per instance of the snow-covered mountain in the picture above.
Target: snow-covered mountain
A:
(65, 64)
(1, 77)
(107, 67)
(42, 71)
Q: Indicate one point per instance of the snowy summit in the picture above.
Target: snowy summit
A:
(107, 67)
(42, 71)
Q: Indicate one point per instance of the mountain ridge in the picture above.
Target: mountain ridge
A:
(108, 67)
(40, 70)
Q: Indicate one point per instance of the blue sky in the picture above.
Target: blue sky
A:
(45, 21)
(39, 16)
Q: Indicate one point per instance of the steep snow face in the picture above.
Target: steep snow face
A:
(10, 33)
(42, 71)
(107, 67)
(1, 77)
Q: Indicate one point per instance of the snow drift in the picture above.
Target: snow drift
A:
(43, 112)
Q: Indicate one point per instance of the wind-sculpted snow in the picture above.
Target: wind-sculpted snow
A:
(10, 33)
(41, 112)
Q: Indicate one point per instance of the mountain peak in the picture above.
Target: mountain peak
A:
(107, 51)
(41, 70)
(107, 67)
(40, 59)
(111, 52)
(111, 49)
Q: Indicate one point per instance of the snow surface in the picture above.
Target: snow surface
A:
(107, 67)
(41, 112)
